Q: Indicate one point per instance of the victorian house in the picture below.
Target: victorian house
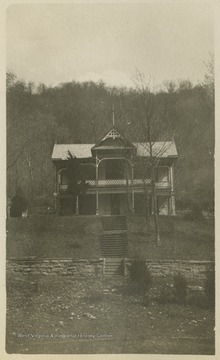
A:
(118, 176)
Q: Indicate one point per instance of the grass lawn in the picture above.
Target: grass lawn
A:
(48, 315)
(53, 237)
(181, 239)
(78, 237)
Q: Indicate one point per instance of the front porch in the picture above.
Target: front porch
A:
(116, 202)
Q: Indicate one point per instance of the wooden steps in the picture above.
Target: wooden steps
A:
(114, 239)
(114, 223)
(114, 266)
(114, 244)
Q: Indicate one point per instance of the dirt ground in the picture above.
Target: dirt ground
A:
(61, 315)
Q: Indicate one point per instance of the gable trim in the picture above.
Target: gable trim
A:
(113, 134)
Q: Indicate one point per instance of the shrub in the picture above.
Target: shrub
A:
(180, 288)
(209, 286)
(140, 273)
(18, 205)
(174, 293)
(166, 295)
(195, 213)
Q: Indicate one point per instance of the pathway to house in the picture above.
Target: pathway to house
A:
(114, 243)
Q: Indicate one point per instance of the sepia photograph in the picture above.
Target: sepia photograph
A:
(110, 201)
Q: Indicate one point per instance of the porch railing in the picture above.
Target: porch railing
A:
(123, 182)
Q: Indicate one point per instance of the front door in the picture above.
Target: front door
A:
(115, 204)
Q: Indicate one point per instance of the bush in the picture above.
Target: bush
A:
(140, 273)
(166, 295)
(18, 204)
(195, 213)
(180, 288)
(209, 287)
(175, 293)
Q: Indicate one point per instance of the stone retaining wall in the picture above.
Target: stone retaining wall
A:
(193, 271)
(76, 268)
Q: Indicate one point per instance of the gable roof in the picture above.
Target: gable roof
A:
(83, 151)
(162, 149)
(113, 139)
(60, 151)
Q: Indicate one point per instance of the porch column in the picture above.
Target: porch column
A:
(172, 195)
(132, 200)
(172, 204)
(132, 173)
(96, 170)
(171, 177)
(157, 208)
(97, 202)
(77, 205)
(57, 197)
(96, 174)
(59, 180)
(56, 190)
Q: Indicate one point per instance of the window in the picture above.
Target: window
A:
(63, 177)
(114, 169)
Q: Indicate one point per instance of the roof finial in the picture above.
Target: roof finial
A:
(113, 115)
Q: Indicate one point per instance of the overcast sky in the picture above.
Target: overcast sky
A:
(64, 42)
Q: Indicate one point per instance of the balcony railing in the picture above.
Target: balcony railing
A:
(114, 182)
(122, 182)
(163, 185)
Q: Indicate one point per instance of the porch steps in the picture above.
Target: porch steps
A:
(114, 223)
(114, 266)
(114, 239)
(114, 244)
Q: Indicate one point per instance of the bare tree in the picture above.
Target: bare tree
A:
(209, 79)
(150, 121)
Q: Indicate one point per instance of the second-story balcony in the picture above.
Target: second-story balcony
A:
(122, 183)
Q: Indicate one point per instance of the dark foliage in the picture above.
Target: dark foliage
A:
(209, 287)
(140, 274)
(77, 184)
(166, 294)
(18, 205)
(175, 293)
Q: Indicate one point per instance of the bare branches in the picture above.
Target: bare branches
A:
(153, 151)
(19, 154)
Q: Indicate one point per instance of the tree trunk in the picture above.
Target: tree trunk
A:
(46, 185)
(127, 188)
(147, 214)
(154, 195)
(32, 190)
(157, 232)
